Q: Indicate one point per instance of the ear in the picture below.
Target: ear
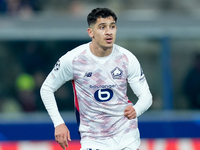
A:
(90, 32)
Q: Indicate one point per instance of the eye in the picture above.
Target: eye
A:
(102, 27)
(113, 26)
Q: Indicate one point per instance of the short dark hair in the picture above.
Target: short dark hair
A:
(98, 13)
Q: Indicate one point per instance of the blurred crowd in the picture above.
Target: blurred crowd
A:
(23, 8)
(26, 8)
(27, 63)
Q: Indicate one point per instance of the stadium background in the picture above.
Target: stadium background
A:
(163, 34)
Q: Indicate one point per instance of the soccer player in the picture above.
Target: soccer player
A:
(100, 71)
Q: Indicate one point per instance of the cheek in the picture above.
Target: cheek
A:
(114, 36)
(98, 36)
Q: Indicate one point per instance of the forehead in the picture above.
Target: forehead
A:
(107, 20)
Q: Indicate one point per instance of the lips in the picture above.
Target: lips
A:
(109, 39)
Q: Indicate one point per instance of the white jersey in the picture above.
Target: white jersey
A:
(100, 90)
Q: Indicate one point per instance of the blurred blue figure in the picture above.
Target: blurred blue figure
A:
(192, 84)
(2, 6)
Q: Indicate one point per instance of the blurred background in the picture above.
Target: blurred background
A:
(163, 34)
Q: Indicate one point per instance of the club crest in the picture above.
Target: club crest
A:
(116, 73)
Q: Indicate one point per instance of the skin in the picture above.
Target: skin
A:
(130, 112)
(103, 34)
(62, 135)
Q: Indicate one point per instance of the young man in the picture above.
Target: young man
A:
(99, 72)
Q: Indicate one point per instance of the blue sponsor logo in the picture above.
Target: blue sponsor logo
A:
(103, 86)
(103, 95)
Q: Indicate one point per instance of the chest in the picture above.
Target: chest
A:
(90, 71)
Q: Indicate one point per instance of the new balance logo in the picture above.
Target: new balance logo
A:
(88, 74)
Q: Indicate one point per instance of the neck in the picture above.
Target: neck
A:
(100, 51)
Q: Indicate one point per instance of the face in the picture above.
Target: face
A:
(103, 32)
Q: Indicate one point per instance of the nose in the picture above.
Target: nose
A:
(108, 31)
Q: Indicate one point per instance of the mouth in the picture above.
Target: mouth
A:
(109, 39)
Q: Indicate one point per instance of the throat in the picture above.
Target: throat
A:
(101, 51)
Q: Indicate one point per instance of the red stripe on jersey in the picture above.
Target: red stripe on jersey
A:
(129, 101)
(75, 96)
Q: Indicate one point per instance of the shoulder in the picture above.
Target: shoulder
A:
(76, 51)
(125, 53)
(66, 60)
(72, 54)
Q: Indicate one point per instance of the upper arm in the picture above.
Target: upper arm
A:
(61, 73)
(136, 77)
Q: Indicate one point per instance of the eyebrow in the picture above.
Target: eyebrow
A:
(106, 23)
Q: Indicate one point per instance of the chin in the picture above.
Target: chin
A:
(108, 46)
